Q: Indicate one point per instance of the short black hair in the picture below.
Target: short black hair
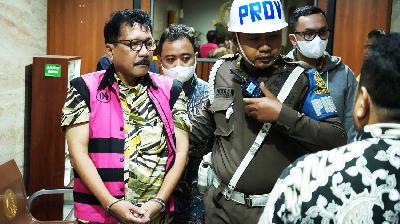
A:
(220, 38)
(211, 36)
(112, 29)
(302, 11)
(380, 72)
(376, 33)
(177, 32)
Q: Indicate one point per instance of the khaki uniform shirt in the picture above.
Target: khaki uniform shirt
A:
(291, 136)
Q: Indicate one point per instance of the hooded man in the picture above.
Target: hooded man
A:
(309, 33)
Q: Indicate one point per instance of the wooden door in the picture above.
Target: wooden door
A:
(47, 141)
(353, 20)
(323, 4)
(145, 5)
(75, 27)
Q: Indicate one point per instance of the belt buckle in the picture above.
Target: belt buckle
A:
(248, 201)
(227, 193)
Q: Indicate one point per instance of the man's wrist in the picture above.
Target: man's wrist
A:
(108, 207)
(160, 201)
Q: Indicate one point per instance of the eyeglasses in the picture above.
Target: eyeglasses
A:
(137, 45)
(309, 35)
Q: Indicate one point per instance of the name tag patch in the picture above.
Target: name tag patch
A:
(224, 92)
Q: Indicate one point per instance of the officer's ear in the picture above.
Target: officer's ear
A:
(292, 39)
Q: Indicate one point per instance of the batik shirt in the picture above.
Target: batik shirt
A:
(189, 205)
(145, 143)
(356, 183)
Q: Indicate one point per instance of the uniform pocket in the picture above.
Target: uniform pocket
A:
(223, 116)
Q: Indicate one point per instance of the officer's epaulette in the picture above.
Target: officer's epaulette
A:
(229, 56)
(290, 61)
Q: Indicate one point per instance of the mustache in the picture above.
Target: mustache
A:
(143, 61)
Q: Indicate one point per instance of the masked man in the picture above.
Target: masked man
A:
(309, 33)
(178, 61)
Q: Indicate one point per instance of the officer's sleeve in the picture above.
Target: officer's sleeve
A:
(180, 113)
(75, 110)
(203, 126)
(313, 134)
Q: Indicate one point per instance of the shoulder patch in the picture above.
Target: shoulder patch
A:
(319, 103)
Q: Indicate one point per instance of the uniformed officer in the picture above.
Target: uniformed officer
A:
(248, 155)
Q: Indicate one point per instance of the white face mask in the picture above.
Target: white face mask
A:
(312, 49)
(179, 72)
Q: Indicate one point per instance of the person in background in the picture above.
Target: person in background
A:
(178, 61)
(103, 63)
(127, 135)
(372, 36)
(223, 48)
(247, 119)
(207, 47)
(359, 182)
(309, 33)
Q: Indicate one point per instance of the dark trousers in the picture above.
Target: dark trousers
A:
(218, 210)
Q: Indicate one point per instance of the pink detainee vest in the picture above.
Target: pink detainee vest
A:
(107, 139)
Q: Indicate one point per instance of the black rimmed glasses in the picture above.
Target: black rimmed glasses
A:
(309, 35)
(136, 45)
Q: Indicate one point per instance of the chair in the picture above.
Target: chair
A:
(13, 201)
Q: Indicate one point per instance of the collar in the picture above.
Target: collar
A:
(192, 85)
(109, 79)
(383, 130)
(320, 64)
(239, 65)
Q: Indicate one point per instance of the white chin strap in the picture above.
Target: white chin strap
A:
(242, 52)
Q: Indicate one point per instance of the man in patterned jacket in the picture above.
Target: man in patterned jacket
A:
(359, 182)
(127, 138)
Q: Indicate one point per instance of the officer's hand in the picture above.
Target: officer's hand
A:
(265, 109)
(126, 212)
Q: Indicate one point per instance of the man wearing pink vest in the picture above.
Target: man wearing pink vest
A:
(127, 131)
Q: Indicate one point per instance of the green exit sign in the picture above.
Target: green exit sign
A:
(52, 70)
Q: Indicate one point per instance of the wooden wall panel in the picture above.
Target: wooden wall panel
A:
(146, 5)
(353, 20)
(75, 27)
(323, 4)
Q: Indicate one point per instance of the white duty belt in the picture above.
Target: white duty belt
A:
(229, 191)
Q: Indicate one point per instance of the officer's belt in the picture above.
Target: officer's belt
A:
(239, 197)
